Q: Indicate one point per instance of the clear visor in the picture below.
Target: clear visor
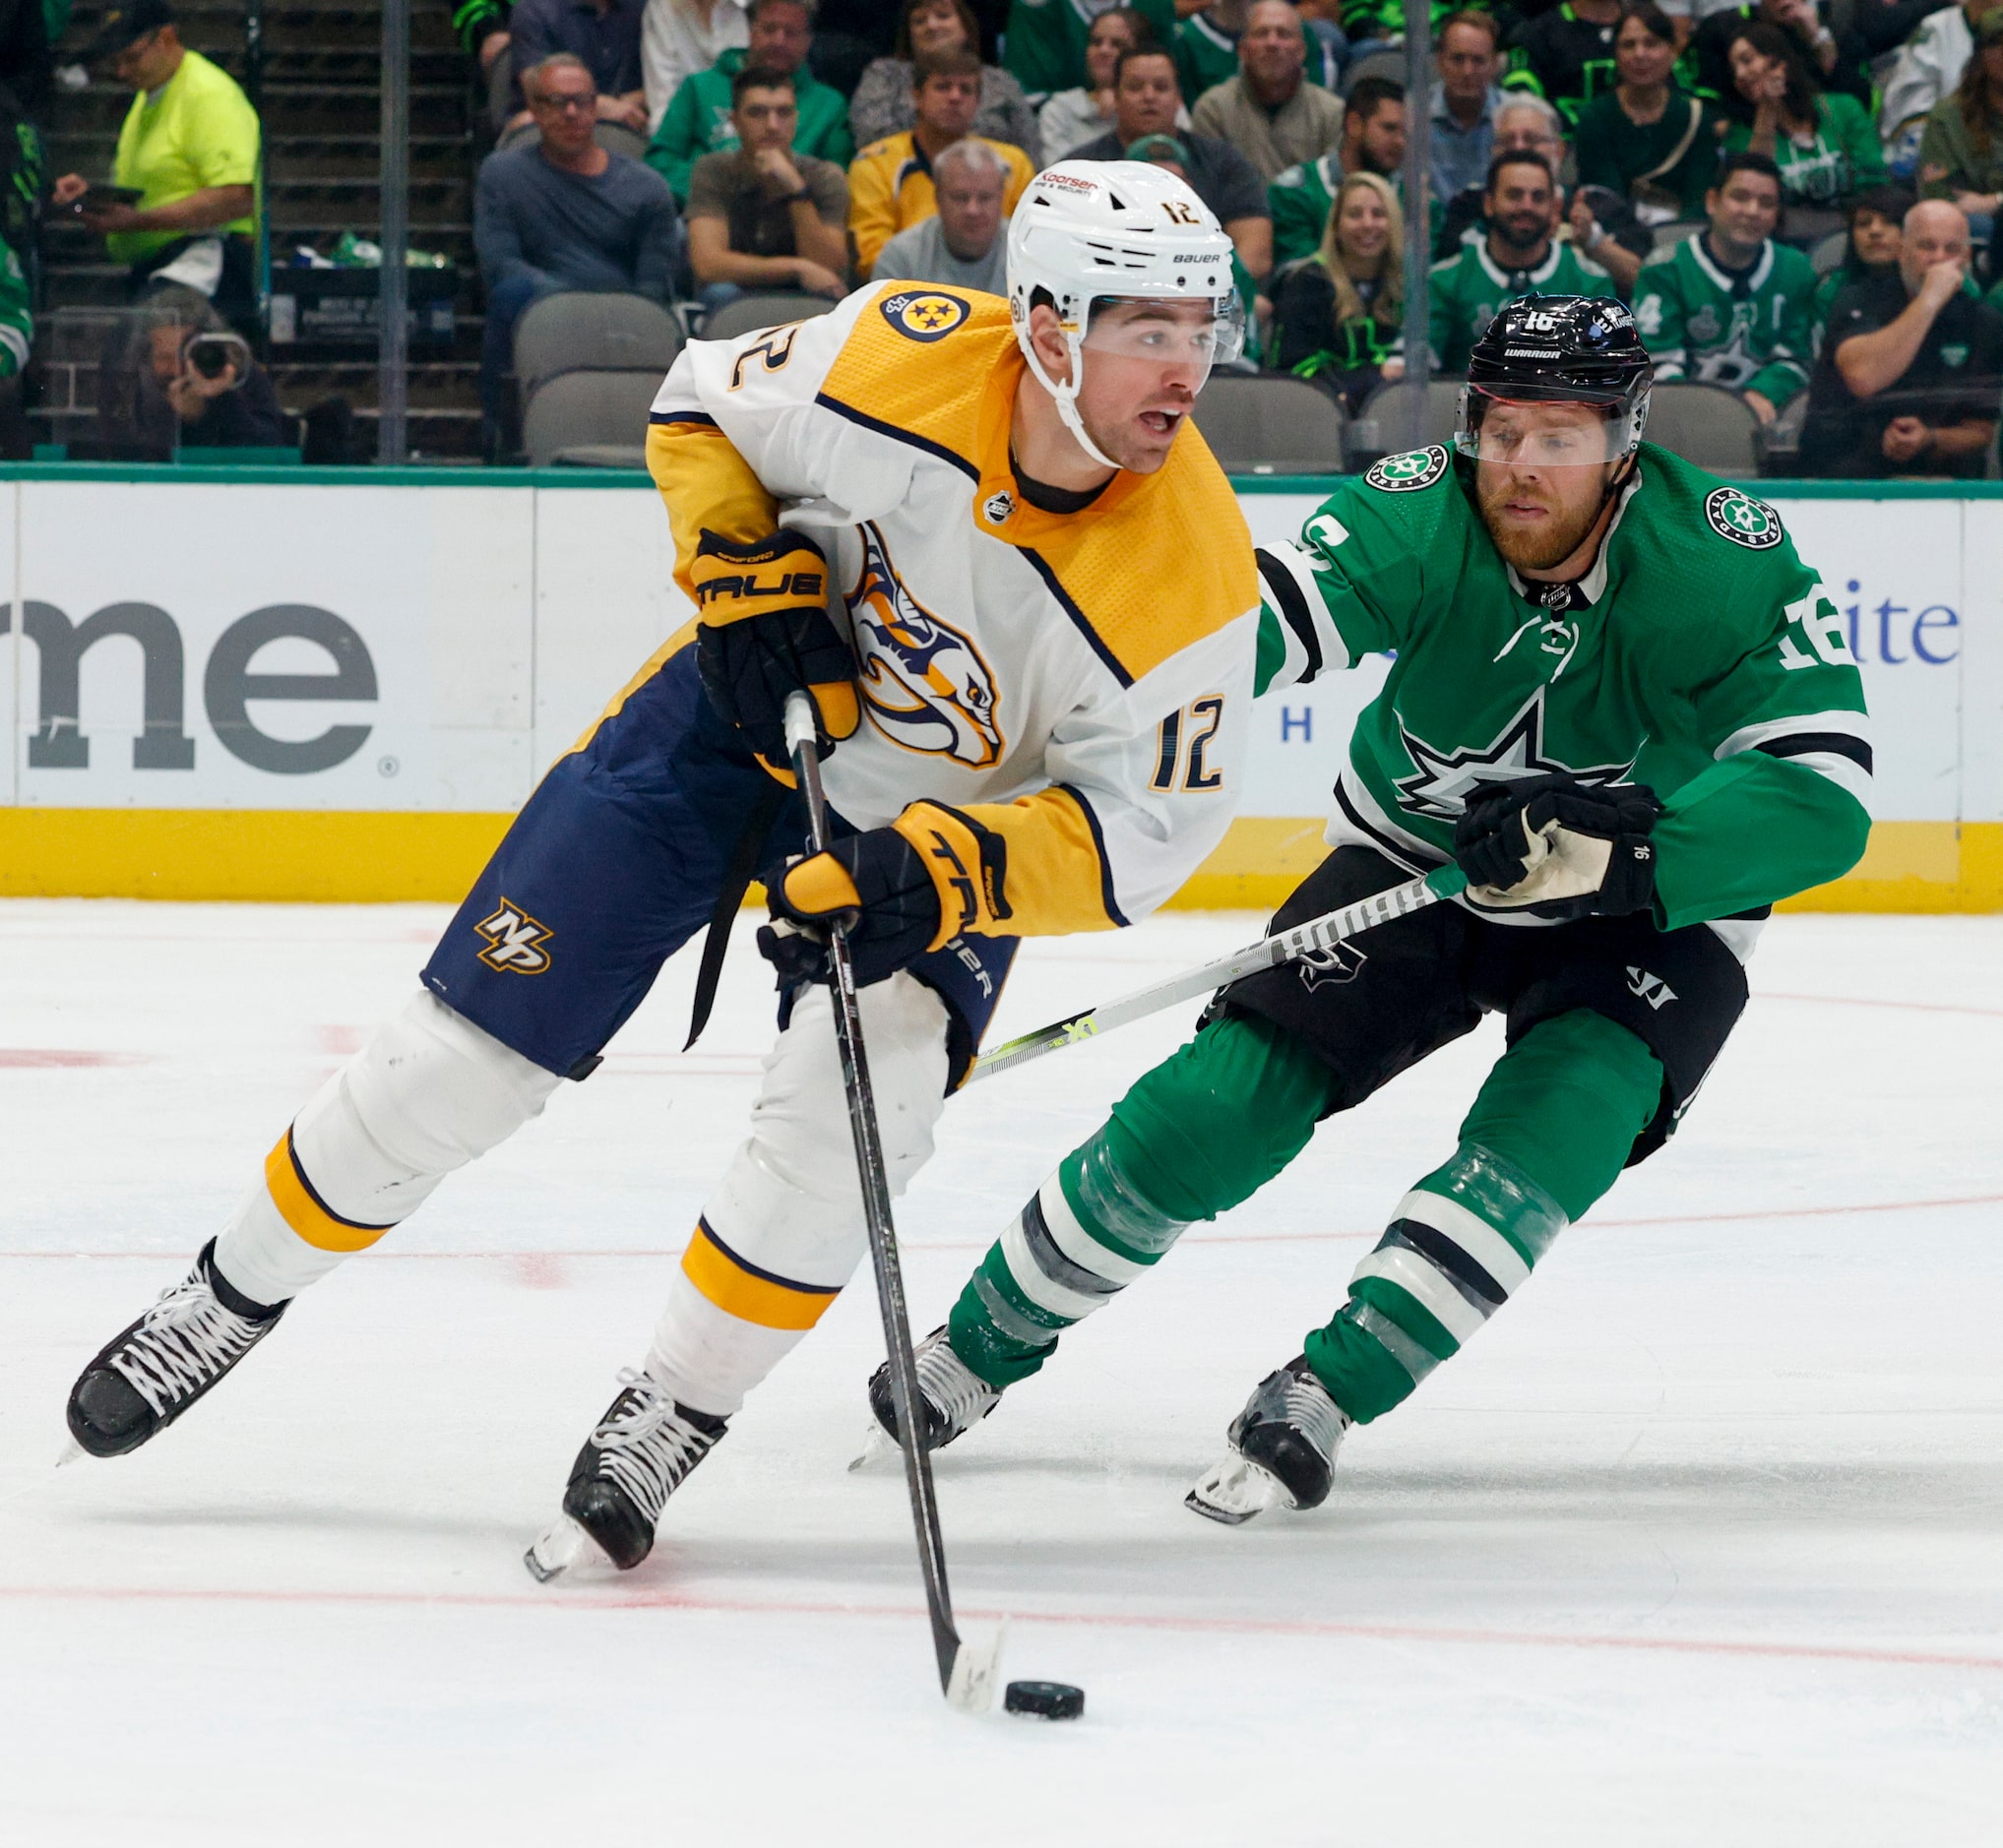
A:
(1542, 434)
(1199, 334)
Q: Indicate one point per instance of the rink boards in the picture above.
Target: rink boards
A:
(237, 684)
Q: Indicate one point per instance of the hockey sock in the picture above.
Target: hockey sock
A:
(1202, 1132)
(428, 1094)
(1547, 1138)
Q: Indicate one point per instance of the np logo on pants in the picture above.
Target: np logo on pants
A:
(515, 942)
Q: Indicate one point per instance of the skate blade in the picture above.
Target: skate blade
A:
(876, 1446)
(556, 1551)
(73, 1452)
(977, 1667)
(1233, 1492)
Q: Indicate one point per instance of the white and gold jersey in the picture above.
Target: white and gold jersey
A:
(1081, 684)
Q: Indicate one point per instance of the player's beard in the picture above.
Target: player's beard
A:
(1540, 550)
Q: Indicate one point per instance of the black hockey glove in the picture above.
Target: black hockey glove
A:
(765, 634)
(1559, 848)
(876, 883)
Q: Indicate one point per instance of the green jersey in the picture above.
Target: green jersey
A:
(17, 315)
(1204, 54)
(1469, 290)
(1754, 331)
(1699, 656)
(1300, 200)
(1842, 156)
(1046, 39)
(697, 122)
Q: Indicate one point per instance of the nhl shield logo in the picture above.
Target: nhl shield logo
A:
(926, 314)
(1406, 473)
(1737, 516)
(998, 509)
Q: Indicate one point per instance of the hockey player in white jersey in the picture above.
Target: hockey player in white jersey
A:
(1024, 600)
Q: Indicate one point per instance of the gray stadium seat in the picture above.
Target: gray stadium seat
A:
(1269, 424)
(1384, 425)
(592, 333)
(1705, 424)
(589, 410)
(1826, 257)
(761, 311)
(1389, 64)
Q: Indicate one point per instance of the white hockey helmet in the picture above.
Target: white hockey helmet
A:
(1090, 233)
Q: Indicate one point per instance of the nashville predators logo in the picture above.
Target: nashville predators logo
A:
(925, 314)
(924, 685)
(515, 942)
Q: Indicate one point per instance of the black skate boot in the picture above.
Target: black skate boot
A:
(149, 1374)
(955, 1399)
(1283, 1450)
(644, 1447)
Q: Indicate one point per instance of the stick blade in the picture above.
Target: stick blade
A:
(976, 1666)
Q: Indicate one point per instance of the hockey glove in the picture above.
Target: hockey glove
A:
(873, 882)
(765, 634)
(1559, 848)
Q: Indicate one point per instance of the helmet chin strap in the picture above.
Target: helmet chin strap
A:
(1066, 396)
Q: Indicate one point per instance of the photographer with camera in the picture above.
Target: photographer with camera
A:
(219, 395)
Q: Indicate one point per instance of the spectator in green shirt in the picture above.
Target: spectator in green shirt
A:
(1046, 38)
(699, 120)
(188, 147)
(1647, 139)
(1824, 144)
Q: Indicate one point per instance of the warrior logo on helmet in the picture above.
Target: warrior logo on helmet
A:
(924, 685)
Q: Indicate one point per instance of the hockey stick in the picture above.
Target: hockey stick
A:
(965, 1673)
(1319, 932)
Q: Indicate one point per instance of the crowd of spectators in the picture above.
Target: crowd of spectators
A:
(1797, 198)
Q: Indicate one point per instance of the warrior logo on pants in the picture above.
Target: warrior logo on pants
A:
(515, 941)
(923, 683)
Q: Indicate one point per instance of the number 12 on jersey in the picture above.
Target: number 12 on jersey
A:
(1182, 739)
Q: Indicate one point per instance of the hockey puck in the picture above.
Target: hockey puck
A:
(1044, 1699)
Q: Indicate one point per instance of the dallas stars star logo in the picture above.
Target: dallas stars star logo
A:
(1446, 781)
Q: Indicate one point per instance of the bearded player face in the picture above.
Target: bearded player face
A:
(1540, 479)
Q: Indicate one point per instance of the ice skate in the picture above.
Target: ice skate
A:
(956, 1398)
(644, 1447)
(1283, 1450)
(150, 1373)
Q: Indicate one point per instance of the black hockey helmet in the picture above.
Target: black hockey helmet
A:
(1577, 350)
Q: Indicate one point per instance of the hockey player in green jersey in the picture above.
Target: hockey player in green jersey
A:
(1732, 307)
(1520, 253)
(1629, 712)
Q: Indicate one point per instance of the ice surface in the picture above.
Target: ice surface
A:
(1701, 1541)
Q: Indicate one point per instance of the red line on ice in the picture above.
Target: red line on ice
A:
(1208, 1625)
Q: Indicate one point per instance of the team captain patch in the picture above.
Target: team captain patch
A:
(1404, 475)
(923, 314)
(1736, 515)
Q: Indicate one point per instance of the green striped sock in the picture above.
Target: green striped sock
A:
(1460, 1244)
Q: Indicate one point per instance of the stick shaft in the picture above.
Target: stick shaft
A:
(1316, 934)
(876, 1208)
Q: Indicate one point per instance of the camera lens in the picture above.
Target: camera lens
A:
(208, 358)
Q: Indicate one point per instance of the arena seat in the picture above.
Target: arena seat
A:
(592, 419)
(577, 331)
(1383, 427)
(1269, 424)
(761, 311)
(1705, 424)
